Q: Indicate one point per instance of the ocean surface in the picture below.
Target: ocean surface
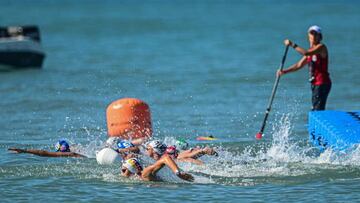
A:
(204, 68)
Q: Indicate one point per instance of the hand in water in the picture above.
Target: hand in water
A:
(186, 176)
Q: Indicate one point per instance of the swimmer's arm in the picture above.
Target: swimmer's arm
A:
(130, 149)
(46, 153)
(139, 141)
(168, 161)
(191, 160)
(192, 153)
(149, 173)
(154, 168)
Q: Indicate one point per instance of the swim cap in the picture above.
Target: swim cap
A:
(315, 28)
(133, 165)
(158, 146)
(181, 144)
(62, 146)
(107, 156)
(171, 150)
(123, 144)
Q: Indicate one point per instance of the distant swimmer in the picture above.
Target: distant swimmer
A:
(317, 58)
(62, 150)
(156, 149)
(133, 167)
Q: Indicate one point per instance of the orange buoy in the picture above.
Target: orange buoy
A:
(128, 118)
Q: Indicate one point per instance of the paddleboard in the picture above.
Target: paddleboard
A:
(206, 138)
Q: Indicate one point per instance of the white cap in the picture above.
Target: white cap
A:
(158, 146)
(315, 28)
(133, 165)
(107, 156)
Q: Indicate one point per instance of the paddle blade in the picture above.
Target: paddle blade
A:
(258, 136)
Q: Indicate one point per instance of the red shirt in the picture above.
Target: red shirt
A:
(319, 69)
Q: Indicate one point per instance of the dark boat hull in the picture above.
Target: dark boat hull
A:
(22, 59)
(20, 47)
(21, 53)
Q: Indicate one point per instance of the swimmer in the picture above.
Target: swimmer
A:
(125, 148)
(116, 149)
(190, 155)
(62, 150)
(181, 144)
(133, 166)
(156, 149)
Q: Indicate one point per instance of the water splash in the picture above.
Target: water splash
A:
(282, 159)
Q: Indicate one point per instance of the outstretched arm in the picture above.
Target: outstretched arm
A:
(197, 153)
(46, 153)
(191, 160)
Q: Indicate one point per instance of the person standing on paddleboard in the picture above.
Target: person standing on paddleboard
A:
(317, 58)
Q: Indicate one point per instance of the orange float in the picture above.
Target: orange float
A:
(128, 118)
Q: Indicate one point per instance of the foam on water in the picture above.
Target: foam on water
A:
(283, 157)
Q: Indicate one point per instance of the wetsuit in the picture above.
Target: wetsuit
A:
(320, 81)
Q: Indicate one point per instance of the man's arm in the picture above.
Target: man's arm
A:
(46, 153)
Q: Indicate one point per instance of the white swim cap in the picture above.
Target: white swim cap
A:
(107, 156)
(315, 28)
(133, 165)
(158, 146)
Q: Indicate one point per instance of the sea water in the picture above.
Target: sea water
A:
(205, 68)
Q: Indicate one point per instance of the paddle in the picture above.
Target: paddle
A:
(260, 133)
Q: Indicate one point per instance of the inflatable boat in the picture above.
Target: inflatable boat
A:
(20, 47)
